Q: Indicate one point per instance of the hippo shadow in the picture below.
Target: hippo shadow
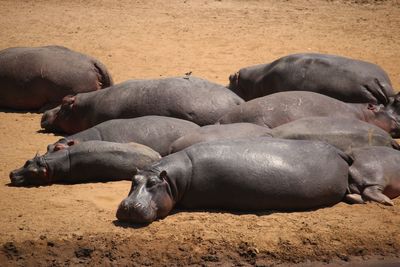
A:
(20, 111)
(130, 225)
(71, 183)
(57, 133)
(177, 210)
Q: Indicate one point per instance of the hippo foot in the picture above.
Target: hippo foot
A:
(374, 193)
(354, 199)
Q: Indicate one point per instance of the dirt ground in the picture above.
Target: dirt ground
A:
(75, 224)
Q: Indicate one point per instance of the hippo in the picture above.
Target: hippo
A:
(34, 78)
(240, 174)
(339, 77)
(280, 108)
(156, 132)
(343, 133)
(219, 132)
(189, 98)
(374, 175)
(84, 162)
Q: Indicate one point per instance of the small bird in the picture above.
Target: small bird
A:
(187, 74)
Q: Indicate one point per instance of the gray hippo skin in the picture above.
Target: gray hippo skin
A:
(88, 161)
(219, 132)
(242, 174)
(342, 78)
(156, 132)
(280, 108)
(39, 77)
(188, 98)
(343, 133)
(374, 175)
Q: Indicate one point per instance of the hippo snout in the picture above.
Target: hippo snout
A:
(16, 179)
(135, 212)
(45, 121)
(48, 118)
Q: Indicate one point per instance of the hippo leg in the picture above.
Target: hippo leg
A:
(354, 199)
(374, 193)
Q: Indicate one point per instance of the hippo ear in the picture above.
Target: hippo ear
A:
(163, 175)
(374, 108)
(71, 142)
(68, 101)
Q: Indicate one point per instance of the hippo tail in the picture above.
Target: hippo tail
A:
(395, 145)
(105, 79)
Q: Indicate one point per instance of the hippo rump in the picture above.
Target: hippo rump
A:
(39, 77)
(156, 132)
(343, 133)
(342, 78)
(242, 174)
(280, 108)
(374, 175)
(189, 98)
(88, 161)
(219, 132)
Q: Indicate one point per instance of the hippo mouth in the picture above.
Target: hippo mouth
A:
(136, 212)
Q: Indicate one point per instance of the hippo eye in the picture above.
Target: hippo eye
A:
(152, 182)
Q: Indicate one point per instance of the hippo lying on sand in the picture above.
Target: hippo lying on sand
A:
(88, 161)
(39, 77)
(342, 78)
(219, 132)
(343, 133)
(374, 175)
(155, 132)
(280, 108)
(188, 98)
(243, 174)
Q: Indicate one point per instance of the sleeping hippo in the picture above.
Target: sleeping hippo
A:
(156, 132)
(374, 175)
(39, 77)
(219, 132)
(188, 98)
(87, 161)
(342, 78)
(242, 174)
(343, 133)
(280, 108)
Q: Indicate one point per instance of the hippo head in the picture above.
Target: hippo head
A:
(386, 119)
(34, 172)
(60, 119)
(149, 199)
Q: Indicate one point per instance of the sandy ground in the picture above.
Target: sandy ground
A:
(75, 224)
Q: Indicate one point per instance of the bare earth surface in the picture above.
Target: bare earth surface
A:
(75, 224)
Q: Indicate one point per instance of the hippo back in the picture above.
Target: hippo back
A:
(219, 132)
(100, 159)
(280, 108)
(188, 98)
(156, 132)
(343, 133)
(31, 77)
(346, 79)
(265, 173)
